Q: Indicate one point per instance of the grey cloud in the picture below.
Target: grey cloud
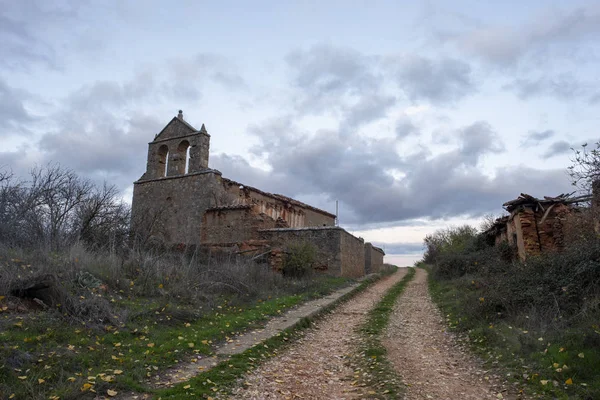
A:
(536, 137)
(102, 146)
(188, 74)
(111, 95)
(327, 69)
(478, 139)
(594, 98)
(324, 76)
(10, 161)
(405, 128)
(564, 87)
(505, 45)
(24, 27)
(369, 108)
(356, 173)
(440, 81)
(557, 148)
(13, 114)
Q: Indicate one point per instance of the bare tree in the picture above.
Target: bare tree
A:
(585, 167)
(102, 218)
(55, 208)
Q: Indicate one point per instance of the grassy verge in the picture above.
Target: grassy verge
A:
(373, 369)
(222, 378)
(44, 357)
(544, 362)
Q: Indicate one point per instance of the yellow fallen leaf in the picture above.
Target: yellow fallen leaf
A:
(86, 387)
(40, 381)
(22, 377)
(1, 298)
(556, 365)
(111, 392)
(71, 379)
(190, 345)
(117, 372)
(187, 386)
(569, 381)
(581, 355)
(544, 382)
(107, 378)
(160, 286)
(150, 344)
(205, 342)
(12, 396)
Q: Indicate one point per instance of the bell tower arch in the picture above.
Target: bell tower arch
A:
(178, 149)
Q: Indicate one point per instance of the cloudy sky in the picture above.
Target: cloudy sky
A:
(414, 115)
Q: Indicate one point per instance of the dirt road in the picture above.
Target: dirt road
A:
(316, 366)
(431, 362)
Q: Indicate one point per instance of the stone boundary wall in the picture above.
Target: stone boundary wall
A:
(373, 258)
(338, 252)
(352, 250)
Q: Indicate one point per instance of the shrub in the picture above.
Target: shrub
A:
(299, 259)
(454, 240)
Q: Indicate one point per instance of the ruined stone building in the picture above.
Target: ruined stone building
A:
(533, 225)
(180, 200)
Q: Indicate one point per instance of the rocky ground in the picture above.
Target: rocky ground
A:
(432, 362)
(316, 366)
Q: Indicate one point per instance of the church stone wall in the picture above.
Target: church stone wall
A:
(173, 207)
(338, 252)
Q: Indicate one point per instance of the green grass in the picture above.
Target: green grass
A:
(42, 356)
(533, 358)
(224, 377)
(372, 368)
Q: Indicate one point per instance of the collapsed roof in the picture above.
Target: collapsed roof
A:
(525, 200)
(528, 200)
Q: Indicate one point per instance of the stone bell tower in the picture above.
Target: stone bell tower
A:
(171, 197)
(177, 150)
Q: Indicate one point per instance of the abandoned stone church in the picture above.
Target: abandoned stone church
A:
(179, 200)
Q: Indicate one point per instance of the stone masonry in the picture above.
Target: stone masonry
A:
(180, 200)
(373, 258)
(534, 225)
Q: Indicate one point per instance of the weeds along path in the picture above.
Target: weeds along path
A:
(316, 367)
(186, 370)
(432, 363)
